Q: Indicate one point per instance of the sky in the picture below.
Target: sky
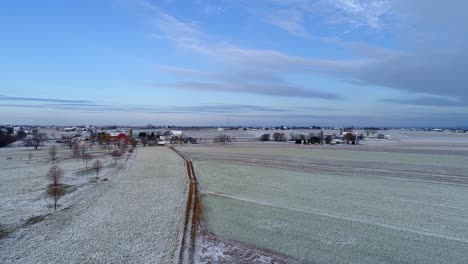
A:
(393, 63)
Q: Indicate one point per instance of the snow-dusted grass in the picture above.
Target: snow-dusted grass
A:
(134, 217)
(23, 183)
(310, 152)
(320, 215)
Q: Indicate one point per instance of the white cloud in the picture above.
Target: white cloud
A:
(290, 20)
(358, 13)
(430, 68)
(291, 15)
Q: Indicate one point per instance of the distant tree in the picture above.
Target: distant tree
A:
(176, 140)
(371, 130)
(105, 139)
(38, 139)
(328, 139)
(76, 149)
(315, 140)
(296, 136)
(350, 138)
(97, 166)
(361, 137)
(6, 139)
(53, 152)
(133, 143)
(116, 154)
(142, 135)
(144, 141)
(83, 149)
(265, 137)
(94, 136)
(20, 134)
(86, 158)
(55, 188)
(279, 136)
(276, 136)
(123, 146)
(67, 141)
(222, 139)
(190, 140)
(293, 136)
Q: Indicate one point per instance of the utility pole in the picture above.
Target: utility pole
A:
(227, 120)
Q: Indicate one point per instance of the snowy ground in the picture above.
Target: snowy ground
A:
(133, 217)
(391, 203)
(24, 182)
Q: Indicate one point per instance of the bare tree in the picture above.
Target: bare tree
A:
(55, 175)
(279, 136)
(55, 190)
(76, 149)
(371, 130)
(97, 166)
(53, 152)
(144, 141)
(67, 140)
(86, 158)
(105, 139)
(222, 139)
(38, 139)
(265, 137)
(20, 134)
(83, 149)
(350, 138)
(123, 146)
(116, 155)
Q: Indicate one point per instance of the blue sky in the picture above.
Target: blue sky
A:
(265, 62)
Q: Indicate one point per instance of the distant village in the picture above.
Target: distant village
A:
(159, 136)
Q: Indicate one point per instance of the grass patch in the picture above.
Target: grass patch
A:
(83, 172)
(3, 232)
(34, 220)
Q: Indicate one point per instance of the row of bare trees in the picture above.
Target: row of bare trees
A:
(223, 139)
(55, 188)
(279, 137)
(78, 152)
(276, 137)
(36, 140)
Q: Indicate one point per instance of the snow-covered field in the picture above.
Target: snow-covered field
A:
(134, 216)
(24, 182)
(394, 203)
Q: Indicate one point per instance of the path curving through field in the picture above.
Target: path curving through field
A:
(134, 217)
(192, 214)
